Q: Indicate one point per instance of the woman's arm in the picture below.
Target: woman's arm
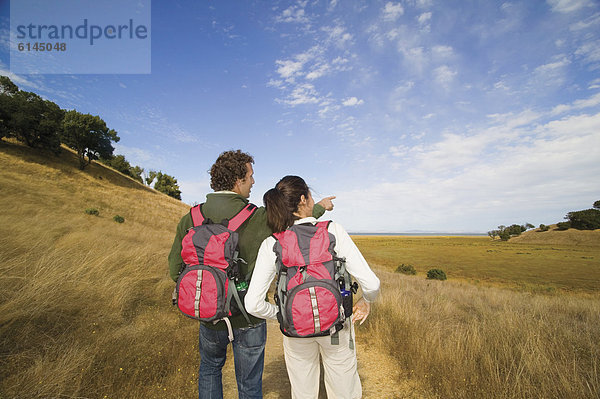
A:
(356, 264)
(263, 274)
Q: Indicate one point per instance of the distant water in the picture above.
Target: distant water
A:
(433, 234)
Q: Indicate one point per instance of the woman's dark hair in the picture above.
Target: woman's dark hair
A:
(282, 201)
(228, 168)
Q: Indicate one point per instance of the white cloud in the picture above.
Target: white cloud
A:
(578, 104)
(293, 14)
(442, 52)
(511, 121)
(416, 59)
(288, 68)
(392, 11)
(399, 151)
(498, 174)
(18, 80)
(338, 36)
(194, 192)
(352, 101)
(590, 51)
(552, 73)
(302, 94)
(135, 155)
(424, 21)
(423, 3)
(566, 6)
(587, 23)
(424, 18)
(550, 67)
(318, 71)
(444, 75)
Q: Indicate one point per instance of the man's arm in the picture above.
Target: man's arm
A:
(320, 207)
(326, 203)
(175, 259)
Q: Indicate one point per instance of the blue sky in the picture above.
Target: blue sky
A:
(447, 116)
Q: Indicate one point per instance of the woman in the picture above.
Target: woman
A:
(290, 204)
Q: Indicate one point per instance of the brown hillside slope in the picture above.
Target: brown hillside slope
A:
(556, 237)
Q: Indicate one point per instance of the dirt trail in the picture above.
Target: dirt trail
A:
(379, 374)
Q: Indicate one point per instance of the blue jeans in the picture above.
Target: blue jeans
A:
(248, 355)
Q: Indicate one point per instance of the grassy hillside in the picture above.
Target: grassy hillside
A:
(85, 302)
(581, 238)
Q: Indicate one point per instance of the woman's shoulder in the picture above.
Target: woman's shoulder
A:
(335, 226)
(269, 241)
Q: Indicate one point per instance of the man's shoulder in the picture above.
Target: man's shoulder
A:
(223, 205)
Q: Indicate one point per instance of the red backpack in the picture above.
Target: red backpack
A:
(207, 284)
(314, 294)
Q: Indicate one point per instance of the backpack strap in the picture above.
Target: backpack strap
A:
(243, 215)
(197, 216)
(323, 224)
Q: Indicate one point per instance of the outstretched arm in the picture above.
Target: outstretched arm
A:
(327, 203)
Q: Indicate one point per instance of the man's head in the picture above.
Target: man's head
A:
(232, 171)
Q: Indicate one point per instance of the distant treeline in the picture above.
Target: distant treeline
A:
(41, 123)
(587, 219)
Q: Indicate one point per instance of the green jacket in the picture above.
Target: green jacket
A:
(224, 205)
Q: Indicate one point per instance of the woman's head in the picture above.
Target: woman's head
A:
(288, 201)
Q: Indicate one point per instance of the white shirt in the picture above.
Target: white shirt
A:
(266, 269)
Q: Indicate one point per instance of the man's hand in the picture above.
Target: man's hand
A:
(361, 310)
(327, 203)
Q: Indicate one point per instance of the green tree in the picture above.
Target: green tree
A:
(168, 185)
(150, 177)
(7, 105)
(136, 173)
(504, 235)
(597, 204)
(588, 219)
(28, 117)
(89, 136)
(493, 234)
(119, 163)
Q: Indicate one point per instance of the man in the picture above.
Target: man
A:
(232, 180)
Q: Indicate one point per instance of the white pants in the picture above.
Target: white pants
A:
(339, 362)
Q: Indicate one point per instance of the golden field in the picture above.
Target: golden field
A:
(85, 302)
(518, 263)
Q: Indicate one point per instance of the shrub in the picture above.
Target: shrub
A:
(118, 219)
(563, 225)
(406, 269)
(543, 227)
(588, 219)
(436, 274)
(92, 211)
(504, 235)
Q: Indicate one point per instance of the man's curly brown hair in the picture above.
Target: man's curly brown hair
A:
(228, 168)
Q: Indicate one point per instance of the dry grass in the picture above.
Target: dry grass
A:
(540, 267)
(462, 341)
(85, 302)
